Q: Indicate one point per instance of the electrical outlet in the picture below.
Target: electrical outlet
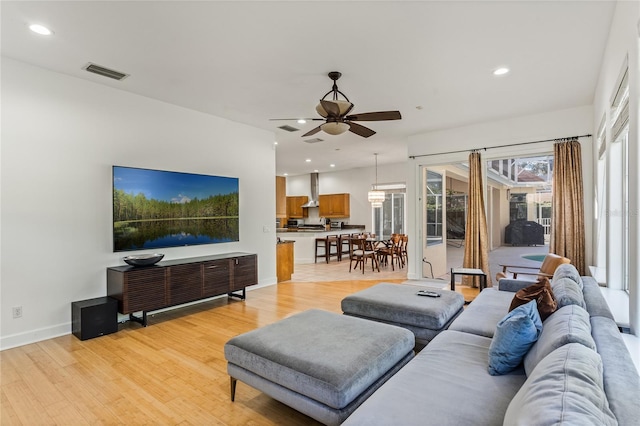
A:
(266, 229)
(17, 311)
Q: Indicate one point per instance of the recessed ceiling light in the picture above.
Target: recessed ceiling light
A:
(332, 165)
(500, 71)
(302, 121)
(40, 29)
(308, 160)
(315, 171)
(275, 143)
(285, 174)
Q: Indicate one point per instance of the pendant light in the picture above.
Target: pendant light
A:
(375, 197)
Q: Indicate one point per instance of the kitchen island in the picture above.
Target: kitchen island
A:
(284, 260)
(305, 240)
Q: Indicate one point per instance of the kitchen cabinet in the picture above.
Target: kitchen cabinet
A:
(281, 197)
(335, 205)
(294, 207)
(179, 281)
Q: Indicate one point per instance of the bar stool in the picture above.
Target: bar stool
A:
(344, 244)
(327, 243)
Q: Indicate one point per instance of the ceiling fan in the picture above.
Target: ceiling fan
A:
(334, 112)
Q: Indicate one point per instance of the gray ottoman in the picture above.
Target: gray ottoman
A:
(399, 304)
(320, 363)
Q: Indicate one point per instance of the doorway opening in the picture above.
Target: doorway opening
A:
(518, 194)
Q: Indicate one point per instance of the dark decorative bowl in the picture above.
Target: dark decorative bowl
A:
(143, 259)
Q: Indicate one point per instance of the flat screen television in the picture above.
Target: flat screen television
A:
(155, 209)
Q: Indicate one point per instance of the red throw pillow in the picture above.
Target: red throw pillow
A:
(540, 292)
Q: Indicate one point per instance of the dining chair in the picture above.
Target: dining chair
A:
(404, 241)
(391, 250)
(361, 250)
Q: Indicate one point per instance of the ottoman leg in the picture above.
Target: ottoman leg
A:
(233, 388)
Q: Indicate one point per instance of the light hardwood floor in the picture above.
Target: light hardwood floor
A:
(172, 372)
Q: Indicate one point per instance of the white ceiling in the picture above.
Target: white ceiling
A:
(252, 61)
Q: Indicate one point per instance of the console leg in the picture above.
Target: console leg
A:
(142, 320)
(233, 388)
(242, 296)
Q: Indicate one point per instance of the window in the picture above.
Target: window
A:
(391, 217)
(600, 197)
(618, 192)
(433, 205)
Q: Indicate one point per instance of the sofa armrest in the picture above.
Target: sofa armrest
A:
(537, 273)
(507, 284)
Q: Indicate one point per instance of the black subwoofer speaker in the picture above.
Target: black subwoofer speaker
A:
(94, 317)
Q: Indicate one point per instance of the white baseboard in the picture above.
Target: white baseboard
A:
(33, 336)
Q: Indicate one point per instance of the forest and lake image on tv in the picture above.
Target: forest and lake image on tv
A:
(158, 209)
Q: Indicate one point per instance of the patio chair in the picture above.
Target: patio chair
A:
(549, 264)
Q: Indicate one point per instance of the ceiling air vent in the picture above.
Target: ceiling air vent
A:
(105, 72)
(288, 128)
(314, 140)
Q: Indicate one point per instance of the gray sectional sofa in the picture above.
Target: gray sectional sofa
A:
(578, 372)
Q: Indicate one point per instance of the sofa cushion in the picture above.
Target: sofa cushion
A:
(596, 304)
(567, 270)
(565, 388)
(569, 324)
(514, 336)
(567, 292)
(540, 292)
(483, 314)
(446, 383)
(620, 376)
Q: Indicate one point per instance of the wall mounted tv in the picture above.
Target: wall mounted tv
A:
(157, 209)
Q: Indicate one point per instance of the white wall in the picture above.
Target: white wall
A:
(60, 137)
(356, 182)
(549, 125)
(624, 41)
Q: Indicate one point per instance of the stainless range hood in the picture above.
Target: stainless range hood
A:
(315, 189)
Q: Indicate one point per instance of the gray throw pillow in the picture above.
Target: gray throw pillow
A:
(567, 292)
(569, 324)
(565, 388)
(567, 270)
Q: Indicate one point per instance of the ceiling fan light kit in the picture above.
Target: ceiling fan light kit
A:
(334, 128)
(334, 111)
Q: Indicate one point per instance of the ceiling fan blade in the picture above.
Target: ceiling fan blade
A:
(312, 132)
(359, 130)
(343, 108)
(375, 116)
(289, 119)
(332, 108)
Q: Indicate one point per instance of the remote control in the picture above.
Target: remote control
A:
(428, 293)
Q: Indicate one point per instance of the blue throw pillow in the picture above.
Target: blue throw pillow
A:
(514, 336)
